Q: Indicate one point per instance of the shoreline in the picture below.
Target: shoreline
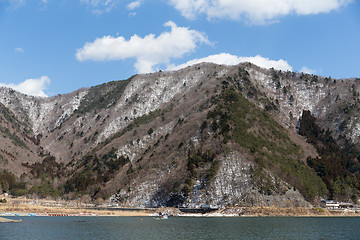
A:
(6, 220)
(10, 210)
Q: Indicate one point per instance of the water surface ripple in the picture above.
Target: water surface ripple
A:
(182, 228)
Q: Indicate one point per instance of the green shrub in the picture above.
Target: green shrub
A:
(239, 120)
(102, 96)
(44, 190)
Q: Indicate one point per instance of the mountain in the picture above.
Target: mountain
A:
(205, 134)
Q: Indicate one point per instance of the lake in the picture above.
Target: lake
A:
(182, 228)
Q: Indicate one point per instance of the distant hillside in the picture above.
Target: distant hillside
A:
(205, 134)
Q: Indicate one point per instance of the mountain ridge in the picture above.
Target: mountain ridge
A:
(180, 137)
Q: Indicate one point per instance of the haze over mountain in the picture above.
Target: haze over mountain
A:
(225, 135)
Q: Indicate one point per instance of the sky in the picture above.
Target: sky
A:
(50, 47)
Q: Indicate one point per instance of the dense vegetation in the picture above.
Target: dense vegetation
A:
(7, 180)
(236, 118)
(102, 96)
(338, 167)
(9, 184)
(85, 177)
(47, 169)
(94, 171)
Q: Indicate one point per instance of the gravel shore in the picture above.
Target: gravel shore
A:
(6, 220)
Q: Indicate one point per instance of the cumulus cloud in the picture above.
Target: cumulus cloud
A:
(255, 11)
(148, 51)
(33, 87)
(133, 5)
(228, 59)
(307, 70)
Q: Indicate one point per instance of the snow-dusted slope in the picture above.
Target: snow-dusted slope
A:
(42, 114)
(155, 121)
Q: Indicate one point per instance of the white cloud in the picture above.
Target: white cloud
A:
(307, 70)
(33, 87)
(15, 4)
(100, 6)
(228, 59)
(19, 50)
(255, 11)
(148, 51)
(133, 5)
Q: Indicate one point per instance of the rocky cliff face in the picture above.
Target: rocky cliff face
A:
(333, 101)
(215, 134)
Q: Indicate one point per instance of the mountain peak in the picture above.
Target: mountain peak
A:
(204, 133)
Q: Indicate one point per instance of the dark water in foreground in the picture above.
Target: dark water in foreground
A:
(181, 228)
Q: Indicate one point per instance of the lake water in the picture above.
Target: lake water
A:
(181, 228)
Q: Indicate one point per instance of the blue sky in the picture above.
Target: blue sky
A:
(50, 47)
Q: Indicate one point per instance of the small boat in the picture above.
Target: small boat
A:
(162, 217)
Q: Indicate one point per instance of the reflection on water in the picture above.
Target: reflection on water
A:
(181, 228)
